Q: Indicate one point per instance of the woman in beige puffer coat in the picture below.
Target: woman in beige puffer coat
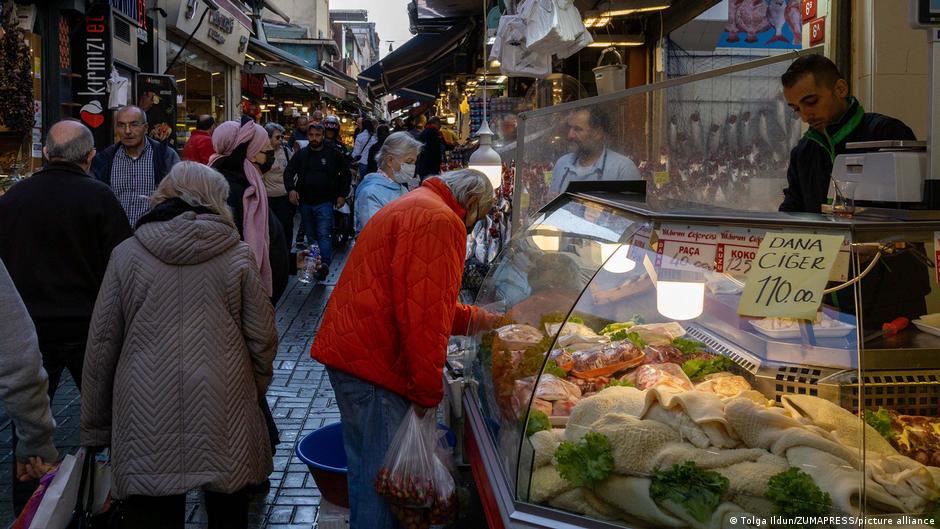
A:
(180, 347)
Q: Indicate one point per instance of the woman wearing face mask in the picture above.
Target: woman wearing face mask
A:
(273, 174)
(389, 182)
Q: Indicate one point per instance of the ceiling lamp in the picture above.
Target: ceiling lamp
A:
(604, 41)
(485, 159)
(631, 7)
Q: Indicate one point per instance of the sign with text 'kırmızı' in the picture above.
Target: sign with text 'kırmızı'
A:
(92, 60)
(789, 274)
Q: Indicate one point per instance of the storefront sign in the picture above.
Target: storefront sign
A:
(817, 31)
(223, 32)
(789, 274)
(809, 10)
(92, 47)
(334, 89)
(156, 95)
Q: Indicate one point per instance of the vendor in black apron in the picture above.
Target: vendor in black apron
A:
(815, 89)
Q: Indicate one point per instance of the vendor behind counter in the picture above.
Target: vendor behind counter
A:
(816, 90)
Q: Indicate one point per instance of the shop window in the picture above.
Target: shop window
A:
(200, 79)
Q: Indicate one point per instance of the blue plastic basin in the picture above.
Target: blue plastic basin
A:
(323, 453)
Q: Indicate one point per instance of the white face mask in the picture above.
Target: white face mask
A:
(405, 174)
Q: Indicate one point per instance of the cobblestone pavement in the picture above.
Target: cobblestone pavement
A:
(300, 398)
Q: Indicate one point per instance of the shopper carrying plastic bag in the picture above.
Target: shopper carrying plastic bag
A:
(414, 480)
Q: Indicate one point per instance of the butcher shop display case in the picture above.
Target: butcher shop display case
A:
(626, 388)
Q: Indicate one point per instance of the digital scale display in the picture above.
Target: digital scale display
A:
(925, 13)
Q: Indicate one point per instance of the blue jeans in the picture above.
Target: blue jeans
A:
(318, 222)
(370, 416)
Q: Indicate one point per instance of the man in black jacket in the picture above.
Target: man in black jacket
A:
(815, 89)
(432, 155)
(316, 178)
(59, 227)
(134, 166)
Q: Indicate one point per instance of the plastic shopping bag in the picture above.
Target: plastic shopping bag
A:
(416, 483)
(58, 500)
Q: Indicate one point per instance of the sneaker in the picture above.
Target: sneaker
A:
(322, 272)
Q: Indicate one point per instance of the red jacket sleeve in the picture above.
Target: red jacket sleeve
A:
(469, 320)
(426, 270)
(206, 150)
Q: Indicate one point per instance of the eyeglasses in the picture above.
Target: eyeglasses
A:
(132, 125)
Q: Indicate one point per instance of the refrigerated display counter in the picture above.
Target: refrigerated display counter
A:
(617, 397)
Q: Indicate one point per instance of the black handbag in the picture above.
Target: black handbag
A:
(83, 517)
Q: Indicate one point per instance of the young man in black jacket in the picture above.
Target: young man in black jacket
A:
(815, 89)
(59, 227)
(316, 178)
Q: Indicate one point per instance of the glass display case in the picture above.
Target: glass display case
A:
(629, 391)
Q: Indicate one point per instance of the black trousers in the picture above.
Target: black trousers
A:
(57, 356)
(225, 511)
(284, 211)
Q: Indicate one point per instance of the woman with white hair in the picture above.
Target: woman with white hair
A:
(389, 182)
(179, 351)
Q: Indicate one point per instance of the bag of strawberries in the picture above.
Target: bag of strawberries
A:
(414, 480)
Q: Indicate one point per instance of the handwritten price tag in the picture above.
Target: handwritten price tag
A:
(789, 274)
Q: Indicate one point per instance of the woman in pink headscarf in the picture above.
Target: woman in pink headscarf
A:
(238, 154)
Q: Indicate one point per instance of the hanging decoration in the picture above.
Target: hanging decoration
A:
(16, 78)
(65, 45)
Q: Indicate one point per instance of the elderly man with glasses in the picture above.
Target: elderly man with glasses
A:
(135, 165)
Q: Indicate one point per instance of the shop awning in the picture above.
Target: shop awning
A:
(420, 58)
(425, 90)
(270, 60)
(397, 104)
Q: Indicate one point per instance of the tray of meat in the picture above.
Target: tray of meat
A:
(607, 360)
(563, 359)
(562, 408)
(517, 337)
(589, 385)
(670, 375)
(550, 389)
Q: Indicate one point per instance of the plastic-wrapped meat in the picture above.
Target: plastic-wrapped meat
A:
(562, 358)
(607, 359)
(659, 333)
(651, 375)
(552, 388)
(664, 354)
(562, 408)
(574, 333)
(589, 385)
(517, 337)
(541, 405)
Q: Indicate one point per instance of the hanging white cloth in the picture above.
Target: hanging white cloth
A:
(118, 90)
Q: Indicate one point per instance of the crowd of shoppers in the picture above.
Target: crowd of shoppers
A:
(158, 289)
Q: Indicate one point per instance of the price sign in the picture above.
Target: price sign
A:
(660, 178)
(789, 274)
(817, 31)
(686, 248)
(809, 10)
